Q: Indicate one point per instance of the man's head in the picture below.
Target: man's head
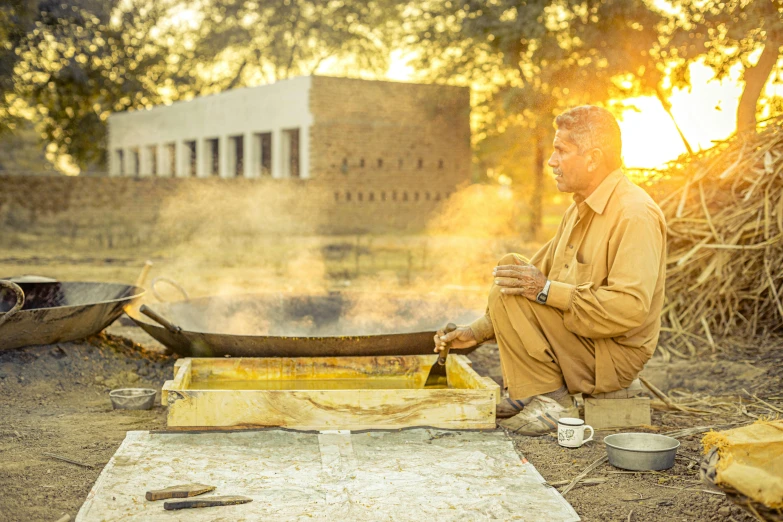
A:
(587, 148)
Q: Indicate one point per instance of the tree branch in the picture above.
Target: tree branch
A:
(667, 106)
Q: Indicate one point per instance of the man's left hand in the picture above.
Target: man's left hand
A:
(524, 279)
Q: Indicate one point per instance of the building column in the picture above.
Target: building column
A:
(201, 158)
(247, 143)
(304, 152)
(278, 151)
(223, 144)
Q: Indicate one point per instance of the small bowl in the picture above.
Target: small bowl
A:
(132, 398)
(641, 451)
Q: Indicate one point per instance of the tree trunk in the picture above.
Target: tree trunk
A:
(755, 79)
(537, 197)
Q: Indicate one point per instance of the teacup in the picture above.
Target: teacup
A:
(571, 432)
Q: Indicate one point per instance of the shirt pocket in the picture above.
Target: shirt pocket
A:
(584, 273)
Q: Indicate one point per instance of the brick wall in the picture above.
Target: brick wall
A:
(162, 210)
(389, 152)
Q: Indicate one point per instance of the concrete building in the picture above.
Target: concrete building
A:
(360, 154)
(268, 131)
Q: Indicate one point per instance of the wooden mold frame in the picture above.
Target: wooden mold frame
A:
(469, 403)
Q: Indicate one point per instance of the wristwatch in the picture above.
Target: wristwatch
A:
(543, 294)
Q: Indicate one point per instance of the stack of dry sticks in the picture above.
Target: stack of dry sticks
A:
(725, 245)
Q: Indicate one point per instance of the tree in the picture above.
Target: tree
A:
(724, 33)
(529, 60)
(249, 42)
(16, 19)
(85, 59)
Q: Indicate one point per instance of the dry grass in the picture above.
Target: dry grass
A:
(725, 246)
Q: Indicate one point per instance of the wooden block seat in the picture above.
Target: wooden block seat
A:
(624, 408)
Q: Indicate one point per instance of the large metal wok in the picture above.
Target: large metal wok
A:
(51, 312)
(276, 325)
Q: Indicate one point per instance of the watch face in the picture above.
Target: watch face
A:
(541, 298)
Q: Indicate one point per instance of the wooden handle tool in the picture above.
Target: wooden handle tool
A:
(181, 491)
(189, 503)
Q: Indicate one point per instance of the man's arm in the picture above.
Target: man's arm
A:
(624, 302)
(482, 327)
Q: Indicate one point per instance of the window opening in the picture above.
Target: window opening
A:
(236, 156)
(291, 153)
(119, 158)
(171, 158)
(191, 153)
(212, 157)
(152, 160)
(135, 161)
(262, 154)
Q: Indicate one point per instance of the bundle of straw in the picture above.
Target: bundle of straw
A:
(725, 245)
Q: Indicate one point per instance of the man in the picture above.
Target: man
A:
(583, 315)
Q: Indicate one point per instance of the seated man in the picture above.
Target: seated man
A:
(583, 315)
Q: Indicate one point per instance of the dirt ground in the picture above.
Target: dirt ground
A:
(54, 400)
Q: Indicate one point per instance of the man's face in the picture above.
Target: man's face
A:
(569, 167)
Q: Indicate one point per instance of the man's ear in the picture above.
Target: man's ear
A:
(594, 159)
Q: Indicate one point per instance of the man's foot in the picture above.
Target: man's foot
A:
(508, 408)
(540, 416)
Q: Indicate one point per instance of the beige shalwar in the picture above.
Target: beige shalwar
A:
(600, 325)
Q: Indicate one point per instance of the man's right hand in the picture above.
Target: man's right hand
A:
(462, 337)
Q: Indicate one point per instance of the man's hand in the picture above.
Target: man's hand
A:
(522, 279)
(462, 337)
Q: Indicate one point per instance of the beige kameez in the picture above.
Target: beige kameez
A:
(607, 264)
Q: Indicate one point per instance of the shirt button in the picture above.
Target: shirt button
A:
(566, 266)
(570, 246)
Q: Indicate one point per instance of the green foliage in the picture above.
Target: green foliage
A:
(74, 63)
(16, 19)
(248, 42)
(528, 61)
(86, 59)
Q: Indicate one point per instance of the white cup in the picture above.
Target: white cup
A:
(571, 432)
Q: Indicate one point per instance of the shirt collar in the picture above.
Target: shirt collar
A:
(600, 196)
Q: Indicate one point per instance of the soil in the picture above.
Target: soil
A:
(54, 399)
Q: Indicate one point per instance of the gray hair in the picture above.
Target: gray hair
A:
(593, 127)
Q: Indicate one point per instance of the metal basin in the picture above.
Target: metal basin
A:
(641, 451)
(297, 325)
(51, 312)
(132, 398)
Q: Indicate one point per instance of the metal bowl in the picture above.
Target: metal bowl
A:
(132, 398)
(641, 451)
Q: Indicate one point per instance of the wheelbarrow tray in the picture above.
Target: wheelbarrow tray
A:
(62, 311)
(286, 325)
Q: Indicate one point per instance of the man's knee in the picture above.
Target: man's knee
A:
(497, 301)
(513, 259)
